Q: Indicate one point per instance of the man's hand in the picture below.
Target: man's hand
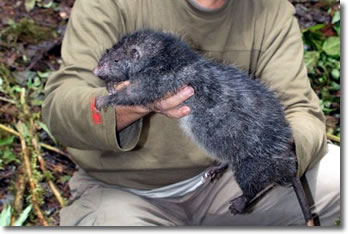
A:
(171, 106)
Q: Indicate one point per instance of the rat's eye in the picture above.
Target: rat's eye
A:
(133, 52)
(116, 60)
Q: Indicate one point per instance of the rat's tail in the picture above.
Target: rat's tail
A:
(301, 196)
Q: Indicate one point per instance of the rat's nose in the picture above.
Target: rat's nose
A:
(96, 71)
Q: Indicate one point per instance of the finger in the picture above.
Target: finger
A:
(174, 100)
(121, 85)
(176, 113)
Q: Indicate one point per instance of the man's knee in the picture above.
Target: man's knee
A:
(120, 208)
(112, 207)
(324, 183)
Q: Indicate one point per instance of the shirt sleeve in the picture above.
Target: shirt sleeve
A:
(68, 106)
(281, 67)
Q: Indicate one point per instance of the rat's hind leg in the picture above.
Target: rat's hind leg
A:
(252, 180)
(238, 205)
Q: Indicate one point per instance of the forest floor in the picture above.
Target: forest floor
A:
(31, 160)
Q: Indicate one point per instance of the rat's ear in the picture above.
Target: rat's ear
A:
(134, 53)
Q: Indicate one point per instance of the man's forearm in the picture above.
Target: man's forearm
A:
(170, 106)
(126, 115)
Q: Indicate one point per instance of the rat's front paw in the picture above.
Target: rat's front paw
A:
(100, 102)
(110, 87)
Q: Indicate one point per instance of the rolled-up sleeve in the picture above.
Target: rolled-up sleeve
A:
(68, 106)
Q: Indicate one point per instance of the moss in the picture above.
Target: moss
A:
(27, 31)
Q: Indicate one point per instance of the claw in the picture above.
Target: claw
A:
(100, 102)
(110, 87)
(215, 173)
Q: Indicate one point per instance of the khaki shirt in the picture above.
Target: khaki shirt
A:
(261, 37)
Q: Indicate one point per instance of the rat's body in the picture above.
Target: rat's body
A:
(234, 118)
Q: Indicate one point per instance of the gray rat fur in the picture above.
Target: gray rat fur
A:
(234, 117)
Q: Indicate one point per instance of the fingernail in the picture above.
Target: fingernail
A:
(188, 91)
(186, 110)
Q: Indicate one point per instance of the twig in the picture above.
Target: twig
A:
(41, 160)
(24, 106)
(20, 185)
(39, 56)
(43, 145)
(43, 165)
(34, 199)
(7, 100)
(9, 130)
(333, 138)
(54, 149)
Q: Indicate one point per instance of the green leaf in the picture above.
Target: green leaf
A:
(328, 110)
(335, 63)
(45, 128)
(314, 28)
(37, 82)
(26, 133)
(48, 4)
(334, 86)
(332, 46)
(24, 215)
(11, 22)
(337, 28)
(5, 216)
(44, 74)
(335, 73)
(29, 5)
(311, 59)
(7, 140)
(15, 88)
(8, 157)
(336, 17)
(313, 39)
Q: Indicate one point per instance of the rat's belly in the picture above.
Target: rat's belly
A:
(186, 126)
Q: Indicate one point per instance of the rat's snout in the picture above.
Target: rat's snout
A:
(96, 71)
(101, 71)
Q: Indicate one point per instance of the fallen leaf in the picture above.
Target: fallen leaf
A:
(29, 5)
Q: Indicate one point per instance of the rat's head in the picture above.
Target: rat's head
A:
(131, 54)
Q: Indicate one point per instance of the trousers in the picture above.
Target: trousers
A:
(98, 204)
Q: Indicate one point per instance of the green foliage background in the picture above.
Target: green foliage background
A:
(322, 58)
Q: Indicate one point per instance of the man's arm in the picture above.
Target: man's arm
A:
(281, 67)
(68, 106)
(170, 107)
